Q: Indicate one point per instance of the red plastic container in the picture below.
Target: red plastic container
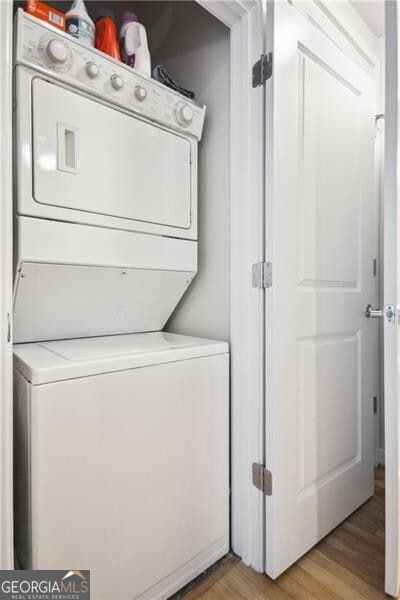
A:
(107, 35)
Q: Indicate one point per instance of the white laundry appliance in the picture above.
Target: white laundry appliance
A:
(122, 452)
(121, 430)
(106, 195)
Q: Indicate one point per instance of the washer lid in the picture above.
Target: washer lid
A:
(46, 362)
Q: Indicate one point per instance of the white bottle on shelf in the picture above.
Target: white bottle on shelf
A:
(135, 51)
(79, 24)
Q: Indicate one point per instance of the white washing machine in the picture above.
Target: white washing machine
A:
(122, 465)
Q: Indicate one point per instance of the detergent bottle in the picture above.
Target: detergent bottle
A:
(106, 34)
(79, 24)
(135, 51)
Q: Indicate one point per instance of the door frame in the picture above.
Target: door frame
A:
(246, 248)
(391, 290)
(6, 245)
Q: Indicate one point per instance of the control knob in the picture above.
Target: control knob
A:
(57, 51)
(140, 93)
(92, 70)
(184, 114)
(117, 82)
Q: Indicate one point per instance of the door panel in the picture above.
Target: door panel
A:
(89, 157)
(321, 350)
(329, 177)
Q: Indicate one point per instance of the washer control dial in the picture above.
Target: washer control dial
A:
(92, 70)
(117, 82)
(57, 51)
(184, 114)
(140, 93)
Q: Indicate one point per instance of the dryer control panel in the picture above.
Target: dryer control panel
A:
(47, 50)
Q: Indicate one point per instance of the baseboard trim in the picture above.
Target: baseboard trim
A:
(184, 574)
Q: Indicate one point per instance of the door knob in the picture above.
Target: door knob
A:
(388, 312)
(373, 313)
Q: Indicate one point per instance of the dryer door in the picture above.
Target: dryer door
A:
(95, 160)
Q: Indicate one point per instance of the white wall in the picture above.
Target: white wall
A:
(195, 48)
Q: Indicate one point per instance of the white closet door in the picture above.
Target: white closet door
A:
(391, 296)
(322, 240)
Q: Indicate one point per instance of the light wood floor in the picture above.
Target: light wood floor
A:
(347, 565)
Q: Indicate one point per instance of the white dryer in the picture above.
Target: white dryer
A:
(122, 467)
(106, 194)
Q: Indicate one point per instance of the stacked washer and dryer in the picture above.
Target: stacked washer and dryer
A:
(121, 429)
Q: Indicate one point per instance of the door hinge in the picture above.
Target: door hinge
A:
(261, 275)
(375, 405)
(262, 70)
(8, 327)
(262, 479)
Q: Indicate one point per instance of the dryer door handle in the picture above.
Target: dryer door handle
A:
(67, 148)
